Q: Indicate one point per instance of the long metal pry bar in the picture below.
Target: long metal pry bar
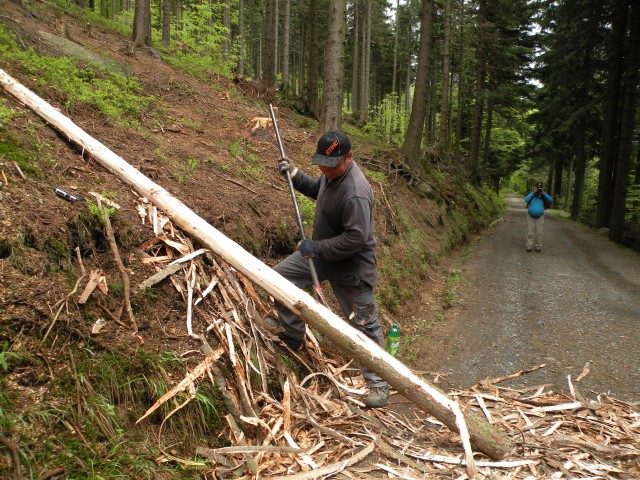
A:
(314, 275)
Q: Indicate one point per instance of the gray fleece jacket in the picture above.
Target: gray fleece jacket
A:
(343, 225)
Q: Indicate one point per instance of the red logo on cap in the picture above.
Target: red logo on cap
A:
(331, 148)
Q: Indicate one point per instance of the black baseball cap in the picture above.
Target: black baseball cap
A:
(332, 146)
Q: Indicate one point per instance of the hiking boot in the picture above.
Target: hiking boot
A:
(377, 397)
(528, 249)
(538, 249)
(294, 345)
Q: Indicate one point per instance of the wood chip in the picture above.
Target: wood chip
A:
(313, 428)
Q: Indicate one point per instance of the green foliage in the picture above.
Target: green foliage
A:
(6, 114)
(236, 148)
(307, 209)
(97, 212)
(58, 250)
(254, 167)
(110, 393)
(116, 288)
(402, 263)
(202, 39)
(114, 95)
(198, 66)
(387, 120)
(160, 154)
(186, 170)
(633, 203)
(244, 153)
(122, 23)
(377, 177)
(15, 151)
(505, 153)
(7, 356)
(487, 205)
(457, 230)
(7, 419)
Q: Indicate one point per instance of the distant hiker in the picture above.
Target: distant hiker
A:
(343, 247)
(537, 202)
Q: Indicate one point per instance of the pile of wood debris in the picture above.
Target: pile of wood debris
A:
(315, 426)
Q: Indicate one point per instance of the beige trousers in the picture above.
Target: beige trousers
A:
(534, 232)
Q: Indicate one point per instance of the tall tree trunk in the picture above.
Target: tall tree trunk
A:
(428, 123)
(449, 132)
(226, 23)
(581, 162)
(461, 82)
(355, 62)
(269, 52)
(557, 176)
(301, 71)
(413, 135)
(478, 108)
(433, 104)
(446, 61)
(367, 56)
(166, 22)
(407, 91)
(284, 62)
(459, 113)
(363, 95)
(314, 106)
(276, 36)
(331, 116)
(395, 95)
(241, 39)
(363, 62)
(623, 162)
(487, 137)
(141, 36)
(635, 207)
(567, 202)
(615, 53)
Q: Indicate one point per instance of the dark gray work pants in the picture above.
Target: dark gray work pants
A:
(358, 300)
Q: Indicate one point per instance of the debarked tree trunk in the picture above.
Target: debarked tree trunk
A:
(483, 436)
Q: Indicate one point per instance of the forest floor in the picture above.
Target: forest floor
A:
(523, 312)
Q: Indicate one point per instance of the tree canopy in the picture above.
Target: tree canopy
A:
(546, 88)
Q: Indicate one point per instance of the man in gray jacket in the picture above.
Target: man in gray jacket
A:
(343, 247)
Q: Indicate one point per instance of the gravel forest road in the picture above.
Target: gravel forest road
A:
(575, 304)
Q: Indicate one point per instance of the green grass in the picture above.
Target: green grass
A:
(402, 264)
(6, 113)
(114, 95)
(94, 436)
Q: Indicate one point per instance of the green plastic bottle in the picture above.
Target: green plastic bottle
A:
(393, 340)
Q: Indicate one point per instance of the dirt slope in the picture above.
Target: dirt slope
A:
(575, 304)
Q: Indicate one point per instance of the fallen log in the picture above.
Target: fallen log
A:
(483, 436)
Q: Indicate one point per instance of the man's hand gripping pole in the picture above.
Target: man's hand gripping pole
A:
(314, 275)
